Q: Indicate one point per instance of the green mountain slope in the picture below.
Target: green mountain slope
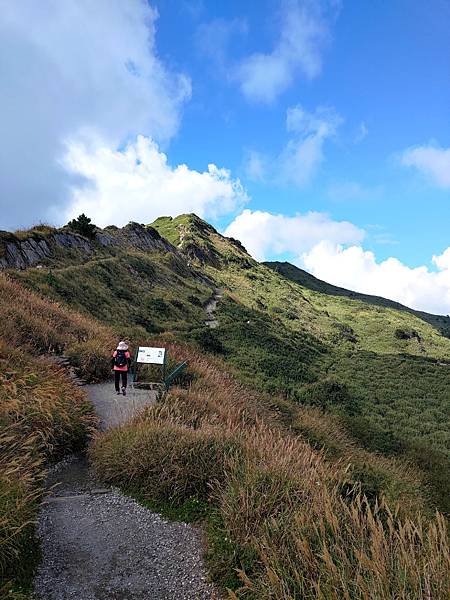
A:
(293, 273)
(130, 278)
(289, 430)
(385, 371)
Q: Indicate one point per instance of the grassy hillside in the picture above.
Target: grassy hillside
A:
(43, 415)
(293, 273)
(145, 292)
(282, 520)
(376, 367)
(271, 442)
(342, 355)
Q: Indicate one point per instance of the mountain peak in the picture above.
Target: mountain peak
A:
(200, 241)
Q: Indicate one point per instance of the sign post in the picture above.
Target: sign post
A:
(151, 356)
(146, 355)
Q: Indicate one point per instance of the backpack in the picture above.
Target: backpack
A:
(120, 360)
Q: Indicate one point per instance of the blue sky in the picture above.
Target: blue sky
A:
(326, 123)
(386, 68)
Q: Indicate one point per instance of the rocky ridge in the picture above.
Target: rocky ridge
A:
(22, 252)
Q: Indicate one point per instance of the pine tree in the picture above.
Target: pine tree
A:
(83, 226)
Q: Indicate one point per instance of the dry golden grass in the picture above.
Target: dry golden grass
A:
(312, 534)
(45, 327)
(401, 483)
(42, 416)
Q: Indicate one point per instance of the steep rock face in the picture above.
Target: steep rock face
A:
(25, 252)
(20, 254)
(137, 236)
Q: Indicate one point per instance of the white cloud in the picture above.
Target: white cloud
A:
(303, 34)
(352, 190)
(430, 160)
(303, 154)
(357, 269)
(256, 166)
(361, 133)
(71, 65)
(138, 184)
(331, 250)
(266, 235)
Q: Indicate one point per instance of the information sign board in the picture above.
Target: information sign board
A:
(151, 356)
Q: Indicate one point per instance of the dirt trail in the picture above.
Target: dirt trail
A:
(98, 544)
(211, 307)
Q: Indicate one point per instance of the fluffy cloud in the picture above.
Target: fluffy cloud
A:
(303, 153)
(137, 183)
(432, 161)
(256, 166)
(303, 33)
(267, 235)
(332, 251)
(72, 65)
(357, 269)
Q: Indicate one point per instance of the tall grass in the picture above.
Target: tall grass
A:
(42, 416)
(45, 327)
(293, 523)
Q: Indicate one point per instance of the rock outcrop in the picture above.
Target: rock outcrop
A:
(44, 248)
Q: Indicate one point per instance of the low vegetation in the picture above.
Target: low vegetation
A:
(42, 417)
(142, 293)
(42, 326)
(309, 435)
(284, 521)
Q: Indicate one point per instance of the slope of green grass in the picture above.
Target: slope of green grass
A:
(293, 273)
(337, 321)
(382, 370)
(150, 292)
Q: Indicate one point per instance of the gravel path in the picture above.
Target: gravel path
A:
(113, 409)
(98, 544)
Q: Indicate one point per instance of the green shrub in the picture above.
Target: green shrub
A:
(195, 300)
(164, 463)
(208, 339)
(83, 226)
(327, 393)
(406, 334)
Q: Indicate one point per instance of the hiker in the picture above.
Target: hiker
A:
(121, 363)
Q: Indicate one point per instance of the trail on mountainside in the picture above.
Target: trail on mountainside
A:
(98, 544)
(211, 307)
